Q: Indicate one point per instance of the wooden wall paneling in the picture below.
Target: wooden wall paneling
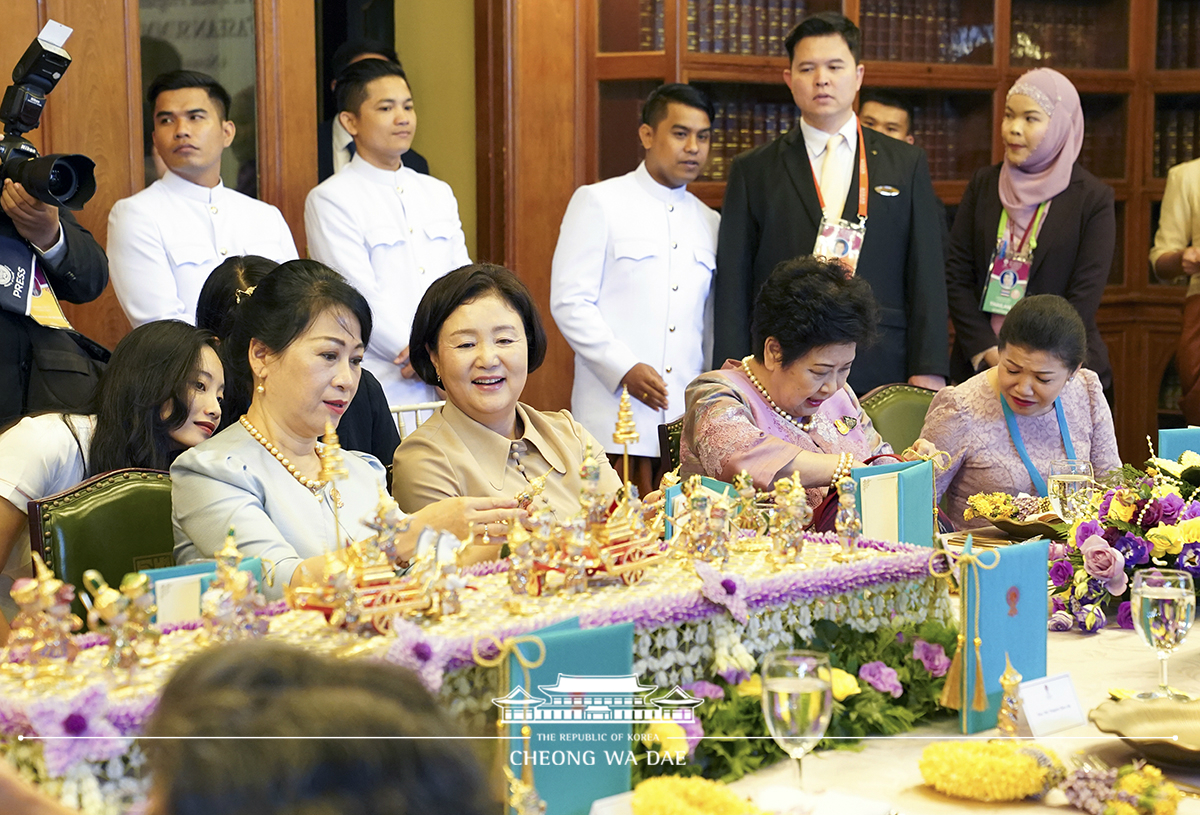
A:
(96, 110)
(493, 118)
(285, 42)
(20, 26)
(547, 166)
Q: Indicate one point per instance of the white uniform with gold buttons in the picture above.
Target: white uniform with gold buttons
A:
(391, 234)
(164, 241)
(631, 282)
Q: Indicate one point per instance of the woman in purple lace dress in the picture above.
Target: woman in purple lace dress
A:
(787, 409)
(1004, 426)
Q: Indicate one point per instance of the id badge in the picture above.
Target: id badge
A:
(841, 241)
(1006, 283)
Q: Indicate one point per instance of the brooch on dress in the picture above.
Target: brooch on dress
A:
(845, 424)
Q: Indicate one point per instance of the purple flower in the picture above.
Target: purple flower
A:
(1150, 516)
(734, 675)
(900, 637)
(724, 590)
(881, 678)
(1134, 549)
(1093, 620)
(1105, 503)
(78, 729)
(1061, 571)
(1192, 511)
(1061, 621)
(422, 655)
(1125, 615)
(705, 690)
(1092, 592)
(1086, 530)
(1058, 551)
(694, 731)
(1057, 604)
(932, 656)
(1105, 563)
(1172, 507)
(1189, 558)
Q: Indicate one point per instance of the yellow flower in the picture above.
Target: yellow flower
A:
(1120, 808)
(1133, 782)
(751, 687)
(671, 795)
(844, 684)
(1122, 506)
(670, 737)
(1170, 539)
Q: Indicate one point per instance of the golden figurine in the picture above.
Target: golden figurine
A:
(1010, 702)
(125, 614)
(746, 514)
(792, 517)
(847, 523)
(333, 469)
(522, 794)
(229, 605)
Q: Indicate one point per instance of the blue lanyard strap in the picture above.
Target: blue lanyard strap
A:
(1014, 433)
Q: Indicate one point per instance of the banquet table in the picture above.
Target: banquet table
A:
(884, 776)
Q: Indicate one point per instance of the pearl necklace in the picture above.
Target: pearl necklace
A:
(804, 424)
(312, 484)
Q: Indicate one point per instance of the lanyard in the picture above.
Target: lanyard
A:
(862, 179)
(1031, 231)
(1014, 433)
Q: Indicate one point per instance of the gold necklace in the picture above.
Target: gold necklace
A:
(803, 424)
(312, 484)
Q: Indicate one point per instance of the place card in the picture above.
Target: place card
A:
(1048, 706)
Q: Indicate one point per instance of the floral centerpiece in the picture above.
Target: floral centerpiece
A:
(1144, 519)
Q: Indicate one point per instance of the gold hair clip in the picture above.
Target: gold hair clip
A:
(238, 295)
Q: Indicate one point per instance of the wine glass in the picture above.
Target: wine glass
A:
(797, 688)
(1071, 486)
(1163, 605)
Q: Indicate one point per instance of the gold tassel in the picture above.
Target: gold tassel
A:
(951, 691)
(980, 701)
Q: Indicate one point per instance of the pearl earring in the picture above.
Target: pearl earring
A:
(262, 387)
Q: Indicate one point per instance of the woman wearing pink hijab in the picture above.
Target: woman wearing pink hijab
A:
(1037, 223)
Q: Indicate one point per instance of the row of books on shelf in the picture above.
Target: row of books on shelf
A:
(1066, 35)
(1178, 37)
(919, 31)
(745, 27)
(935, 128)
(1175, 133)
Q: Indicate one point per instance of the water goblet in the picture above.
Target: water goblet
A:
(797, 699)
(1071, 485)
(1163, 602)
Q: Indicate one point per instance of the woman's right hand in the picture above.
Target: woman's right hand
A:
(921, 449)
(462, 516)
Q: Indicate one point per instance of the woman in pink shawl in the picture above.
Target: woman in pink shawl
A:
(1037, 223)
(787, 409)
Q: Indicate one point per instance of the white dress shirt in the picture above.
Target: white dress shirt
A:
(341, 140)
(164, 241)
(816, 141)
(391, 234)
(631, 282)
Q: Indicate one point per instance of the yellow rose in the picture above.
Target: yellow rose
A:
(751, 687)
(671, 738)
(1169, 539)
(1119, 509)
(844, 684)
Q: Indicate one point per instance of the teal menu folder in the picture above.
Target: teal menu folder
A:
(913, 496)
(577, 705)
(1012, 620)
(1174, 442)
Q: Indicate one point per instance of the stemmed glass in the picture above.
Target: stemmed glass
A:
(797, 699)
(1163, 606)
(1072, 485)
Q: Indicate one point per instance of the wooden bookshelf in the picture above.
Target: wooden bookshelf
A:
(1136, 64)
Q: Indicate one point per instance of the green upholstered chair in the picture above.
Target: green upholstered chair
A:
(898, 412)
(668, 443)
(116, 523)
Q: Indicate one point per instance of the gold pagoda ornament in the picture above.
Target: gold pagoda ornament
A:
(333, 469)
(1010, 682)
(626, 431)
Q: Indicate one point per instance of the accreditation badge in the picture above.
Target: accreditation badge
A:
(1006, 283)
(16, 275)
(840, 240)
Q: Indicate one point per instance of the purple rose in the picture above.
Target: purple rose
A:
(881, 678)
(1058, 551)
(1171, 506)
(705, 690)
(1093, 620)
(1086, 530)
(1061, 571)
(932, 656)
(1103, 562)
(1189, 558)
(1150, 516)
(1105, 503)
(1057, 604)
(1192, 511)
(1135, 550)
(1061, 621)
(1125, 615)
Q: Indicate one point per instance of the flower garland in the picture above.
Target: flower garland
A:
(990, 771)
(688, 796)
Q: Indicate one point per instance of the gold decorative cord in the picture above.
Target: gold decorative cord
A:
(505, 648)
(957, 688)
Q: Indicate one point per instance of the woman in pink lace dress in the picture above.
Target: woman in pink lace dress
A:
(787, 409)
(1004, 426)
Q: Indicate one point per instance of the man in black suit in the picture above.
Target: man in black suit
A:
(773, 211)
(335, 147)
(77, 270)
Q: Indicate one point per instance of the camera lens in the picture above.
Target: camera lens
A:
(62, 182)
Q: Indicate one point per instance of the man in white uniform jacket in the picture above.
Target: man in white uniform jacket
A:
(164, 241)
(632, 276)
(390, 230)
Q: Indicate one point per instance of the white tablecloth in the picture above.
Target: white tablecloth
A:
(886, 773)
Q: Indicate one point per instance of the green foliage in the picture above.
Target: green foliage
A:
(737, 740)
